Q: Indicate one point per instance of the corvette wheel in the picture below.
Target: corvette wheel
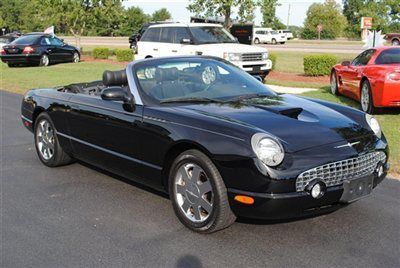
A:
(334, 84)
(46, 142)
(256, 41)
(44, 60)
(367, 104)
(198, 193)
(76, 57)
(395, 42)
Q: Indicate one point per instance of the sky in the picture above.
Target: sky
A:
(177, 8)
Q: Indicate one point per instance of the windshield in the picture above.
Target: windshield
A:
(274, 32)
(389, 56)
(211, 34)
(26, 40)
(197, 79)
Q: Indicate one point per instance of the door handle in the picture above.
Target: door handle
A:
(174, 51)
(155, 49)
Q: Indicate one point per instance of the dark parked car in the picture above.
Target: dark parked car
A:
(393, 38)
(216, 139)
(38, 49)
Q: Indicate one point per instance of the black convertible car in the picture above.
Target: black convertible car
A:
(38, 49)
(216, 139)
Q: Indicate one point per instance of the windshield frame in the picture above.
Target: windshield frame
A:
(148, 100)
(198, 42)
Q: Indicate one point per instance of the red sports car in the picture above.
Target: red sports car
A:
(372, 78)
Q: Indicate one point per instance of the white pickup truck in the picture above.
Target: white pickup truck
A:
(202, 39)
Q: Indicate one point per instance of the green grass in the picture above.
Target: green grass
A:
(389, 121)
(325, 42)
(21, 79)
(292, 62)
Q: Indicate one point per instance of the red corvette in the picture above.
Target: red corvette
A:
(372, 78)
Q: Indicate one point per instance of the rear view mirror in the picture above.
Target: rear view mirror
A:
(186, 41)
(119, 94)
(346, 63)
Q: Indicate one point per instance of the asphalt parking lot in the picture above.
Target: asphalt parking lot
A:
(76, 216)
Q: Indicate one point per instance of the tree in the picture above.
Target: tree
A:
(135, 18)
(161, 15)
(222, 8)
(329, 16)
(268, 10)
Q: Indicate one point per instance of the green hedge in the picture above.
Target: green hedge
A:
(272, 57)
(101, 53)
(319, 64)
(124, 54)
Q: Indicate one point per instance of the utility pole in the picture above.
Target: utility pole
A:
(288, 16)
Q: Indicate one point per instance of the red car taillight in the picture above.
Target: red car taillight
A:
(395, 76)
(2, 51)
(28, 50)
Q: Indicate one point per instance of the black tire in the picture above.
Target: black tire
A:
(11, 65)
(44, 60)
(273, 41)
(256, 41)
(367, 102)
(221, 215)
(59, 157)
(76, 57)
(334, 83)
(282, 43)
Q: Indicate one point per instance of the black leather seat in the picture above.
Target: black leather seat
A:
(168, 85)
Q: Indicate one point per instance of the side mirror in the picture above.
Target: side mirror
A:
(346, 63)
(119, 94)
(186, 41)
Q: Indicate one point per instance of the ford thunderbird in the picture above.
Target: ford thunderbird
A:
(216, 139)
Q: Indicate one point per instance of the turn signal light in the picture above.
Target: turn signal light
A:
(244, 199)
(2, 51)
(28, 50)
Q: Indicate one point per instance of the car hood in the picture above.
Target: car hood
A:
(299, 123)
(232, 47)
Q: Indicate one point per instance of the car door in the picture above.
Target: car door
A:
(175, 41)
(149, 44)
(47, 46)
(104, 134)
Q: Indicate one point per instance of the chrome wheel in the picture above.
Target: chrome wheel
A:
(365, 97)
(76, 57)
(45, 139)
(333, 83)
(44, 60)
(193, 192)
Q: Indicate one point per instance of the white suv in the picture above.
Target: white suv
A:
(202, 39)
(287, 33)
(268, 36)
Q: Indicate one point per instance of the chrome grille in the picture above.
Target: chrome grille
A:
(251, 57)
(335, 173)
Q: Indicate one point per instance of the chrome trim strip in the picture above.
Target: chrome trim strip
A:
(109, 151)
(26, 119)
(103, 108)
(132, 84)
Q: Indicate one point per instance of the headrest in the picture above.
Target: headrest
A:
(115, 78)
(167, 74)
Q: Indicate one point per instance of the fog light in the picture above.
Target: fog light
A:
(316, 189)
(379, 170)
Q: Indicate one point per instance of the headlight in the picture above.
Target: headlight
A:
(265, 55)
(267, 149)
(232, 56)
(374, 125)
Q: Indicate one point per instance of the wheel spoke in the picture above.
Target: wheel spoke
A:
(184, 173)
(205, 187)
(186, 205)
(196, 212)
(205, 205)
(180, 189)
(196, 173)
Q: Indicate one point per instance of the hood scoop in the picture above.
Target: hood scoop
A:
(292, 112)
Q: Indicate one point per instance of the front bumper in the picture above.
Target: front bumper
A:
(255, 67)
(20, 58)
(271, 206)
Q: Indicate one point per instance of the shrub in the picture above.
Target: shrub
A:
(272, 57)
(124, 54)
(101, 53)
(319, 64)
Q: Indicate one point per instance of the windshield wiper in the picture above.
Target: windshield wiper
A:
(248, 96)
(191, 100)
